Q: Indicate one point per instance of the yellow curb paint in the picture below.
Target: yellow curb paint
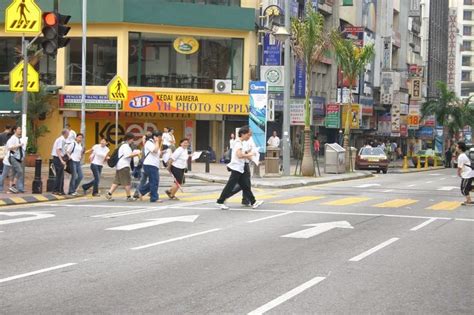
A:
(238, 197)
(2, 203)
(445, 205)
(41, 198)
(18, 200)
(297, 200)
(199, 198)
(396, 203)
(346, 201)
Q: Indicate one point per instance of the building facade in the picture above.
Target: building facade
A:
(467, 54)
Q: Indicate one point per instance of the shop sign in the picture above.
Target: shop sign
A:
(404, 109)
(187, 103)
(355, 33)
(384, 125)
(258, 113)
(274, 76)
(300, 79)
(318, 105)
(386, 88)
(403, 130)
(414, 9)
(425, 133)
(429, 121)
(23, 16)
(354, 116)
(395, 111)
(387, 53)
(413, 122)
(333, 116)
(271, 51)
(452, 47)
(186, 45)
(416, 70)
(93, 102)
(415, 89)
(297, 112)
(367, 106)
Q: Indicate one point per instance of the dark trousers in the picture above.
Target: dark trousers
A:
(153, 182)
(96, 171)
(76, 176)
(245, 195)
(59, 180)
(241, 179)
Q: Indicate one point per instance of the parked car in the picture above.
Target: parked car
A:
(372, 159)
(430, 155)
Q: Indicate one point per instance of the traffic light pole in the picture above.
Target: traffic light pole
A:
(24, 96)
(83, 70)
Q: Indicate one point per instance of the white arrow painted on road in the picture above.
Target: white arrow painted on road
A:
(367, 185)
(153, 222)
(319, 228)
(31, 216)
(448, 188)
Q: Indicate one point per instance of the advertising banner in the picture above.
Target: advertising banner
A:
(300, 79)
(354, 116)
(395, 111)
(258, 113)
(297, 112)
(452, 47)
(271, 51)
(333, 116)
(415, 89)
(384, 125)
(386, 88)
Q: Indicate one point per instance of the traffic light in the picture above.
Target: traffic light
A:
(54, 30)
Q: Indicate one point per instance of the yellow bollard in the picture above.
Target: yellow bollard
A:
(405, 162)
(426, 162)
(418, 163)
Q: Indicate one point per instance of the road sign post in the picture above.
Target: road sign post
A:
(117, 90)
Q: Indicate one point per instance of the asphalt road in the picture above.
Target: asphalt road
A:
(396, 243)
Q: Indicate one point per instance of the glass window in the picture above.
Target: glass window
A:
(467, 30)
(466, 61)
(467, 15)
(154, 62)
(466, 45)
(466, 76)
(101, 61)
(10, 55)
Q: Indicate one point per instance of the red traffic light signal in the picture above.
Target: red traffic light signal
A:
(54, 30)
(50, 19)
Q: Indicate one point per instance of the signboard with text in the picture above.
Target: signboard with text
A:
(258, 113)
(333, 116)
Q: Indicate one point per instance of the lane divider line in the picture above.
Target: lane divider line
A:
(419, 226)
(28, 274)
(270, 217)
(175, 239)
(373, 250)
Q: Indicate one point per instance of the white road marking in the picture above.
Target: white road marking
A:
(175, 239)
(319, 228)
(367, 185)
(80, 205)
(447, 188)
(416, 228)
(31, 216)
(288, 295)
(388, 190)
(429, 182)
(468, 220)
(443, 178)
(374, 249)
(412, 185)
(24, 275)
(154, 222)
(435, 174)
(270, 217)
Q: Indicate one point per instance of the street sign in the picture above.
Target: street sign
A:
(117, 89)
(319, 228)
(23, 16)
(16, 79)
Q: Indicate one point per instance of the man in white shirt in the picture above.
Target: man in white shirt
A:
(75, 151)
(151, 164)
(466, 173)
(16, 152)
(59, 161)
(122, 173)
(274, 141)
(72, 134)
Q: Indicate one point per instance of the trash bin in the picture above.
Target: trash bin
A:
(272, 161)
(334, 160)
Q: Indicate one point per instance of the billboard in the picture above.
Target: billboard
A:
(258, 113)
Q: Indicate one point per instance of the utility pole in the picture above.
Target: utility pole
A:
(84, 51)
(286, 94)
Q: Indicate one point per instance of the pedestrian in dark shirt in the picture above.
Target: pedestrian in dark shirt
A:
(5, 135)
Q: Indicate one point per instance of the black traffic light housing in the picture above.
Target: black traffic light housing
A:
(54, 30)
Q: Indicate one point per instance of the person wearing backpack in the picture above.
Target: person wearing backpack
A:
(121, 159)
(75, 151)
(16, 152)
(151, 164)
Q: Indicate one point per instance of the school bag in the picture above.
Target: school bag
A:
(114, 158)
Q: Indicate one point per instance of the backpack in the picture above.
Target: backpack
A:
(114, 158)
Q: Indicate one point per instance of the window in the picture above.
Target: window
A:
(216, 2)
(10, 50)
(467, 15)
(466, 76)
(467, 30)
(466, 45)
(101, 58)
(154, 62)
(466, 61)
(468, 2)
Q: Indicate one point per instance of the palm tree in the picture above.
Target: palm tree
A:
(352, 59)
(310, 41)
(448, 111)
(467, 109)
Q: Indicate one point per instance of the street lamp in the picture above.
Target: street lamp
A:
(284, 34)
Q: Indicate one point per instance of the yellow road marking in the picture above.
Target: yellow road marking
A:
(238, 197)
(445, 205)
(202, 197)
(18, 200)
(346, 201)
(396, 203)
(2, 202)
(41, 198)
(296, 200)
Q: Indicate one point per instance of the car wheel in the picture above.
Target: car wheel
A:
(384, 171)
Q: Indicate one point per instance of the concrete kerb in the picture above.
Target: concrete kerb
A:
(415, 170)
(30, 199)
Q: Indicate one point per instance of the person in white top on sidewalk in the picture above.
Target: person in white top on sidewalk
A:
(59, 155)
(72, 134)
(177, 164)
(16, 152)
(6, 172)
(274, 141)
(75, 151)
(122, 173)
(466, 173)
(151, 165)
(98, 157)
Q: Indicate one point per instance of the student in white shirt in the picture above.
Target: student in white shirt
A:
(98, 157)
(59, 160)
(122, 173)
(151, 164)
(72, 134)
(16, 153)
(75, 151)
(274, 141)
(465, 172)
(177, 165)
(6, 171)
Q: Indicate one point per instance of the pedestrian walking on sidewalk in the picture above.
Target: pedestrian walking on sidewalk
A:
(176, 166)
(138, 172)
(5, 135)
(6, 171)
(122, 173)
(466, 172)
(75, 151)
(98, 157)
(151, 164)
(16, 148)
(59, 161)
(238, 174)
(72, 134)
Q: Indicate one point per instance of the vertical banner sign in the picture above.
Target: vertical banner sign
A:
(333, 116)
(258, 113)
(386, 88)
(415, 89)
(271, 51)
(387, 53)
(354, 116)
(300, 79)
(396, 114)
(452, 47)
(414, 9)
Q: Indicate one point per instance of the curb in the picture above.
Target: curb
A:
(32, 199)
(416, 170)
(296, 182)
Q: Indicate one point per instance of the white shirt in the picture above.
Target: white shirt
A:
(75, 150)
(152, 158)
(124, 156)
(236, 163)
(180, 158)
(466, 171)
(99, 153)
(166, 138)
(72, 136)
(14, 141)
(231, 143)
(273, 141)
(167, 155)
(58, 144)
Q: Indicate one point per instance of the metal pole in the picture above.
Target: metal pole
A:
(116, 122)
(24, 98)
(84, 51)
(286, 93)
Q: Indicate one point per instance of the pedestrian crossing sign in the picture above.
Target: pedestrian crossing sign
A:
(117, 89)
(23, 16)
(16, 79)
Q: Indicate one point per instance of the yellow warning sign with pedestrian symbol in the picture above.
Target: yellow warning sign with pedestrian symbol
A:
(23, 16)
(117, 89)
(16, 78)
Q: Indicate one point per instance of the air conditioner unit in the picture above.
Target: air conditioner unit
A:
(223, 86)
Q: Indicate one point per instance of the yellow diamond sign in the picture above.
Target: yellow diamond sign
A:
(16, 79)
(117, 89)
(23, 16)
